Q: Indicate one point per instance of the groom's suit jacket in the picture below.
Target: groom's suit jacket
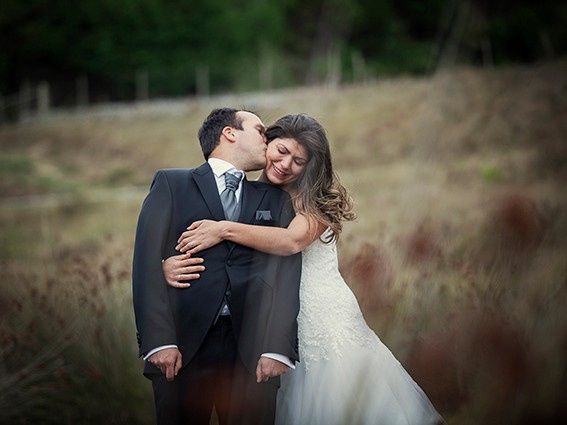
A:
(264, 289)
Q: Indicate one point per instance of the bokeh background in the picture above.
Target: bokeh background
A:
(448, 124)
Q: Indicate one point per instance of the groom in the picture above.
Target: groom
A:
(209, 344)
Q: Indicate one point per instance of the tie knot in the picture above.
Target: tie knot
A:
(232, 179)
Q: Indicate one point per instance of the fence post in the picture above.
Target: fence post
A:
(202, 80)
(266, 73)
(24, 100)
(333, 68)
(2, 109)
(142, 85)
(487, 57)
(43, 100)
(82, 89)
(358, 67)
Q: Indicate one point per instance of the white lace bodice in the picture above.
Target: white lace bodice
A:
(329, 316)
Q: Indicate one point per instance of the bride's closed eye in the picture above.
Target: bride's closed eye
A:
(284, 151)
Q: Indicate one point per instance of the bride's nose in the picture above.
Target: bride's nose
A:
(286, 163)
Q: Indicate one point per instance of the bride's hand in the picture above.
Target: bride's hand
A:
(200, 235)
(180, 268)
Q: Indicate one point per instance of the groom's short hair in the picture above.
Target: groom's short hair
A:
(211, 130)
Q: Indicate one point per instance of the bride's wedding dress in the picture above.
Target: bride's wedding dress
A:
(346, 375)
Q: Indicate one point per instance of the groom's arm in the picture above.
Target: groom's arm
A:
(282, 322)
(284, 272)
(154, 318)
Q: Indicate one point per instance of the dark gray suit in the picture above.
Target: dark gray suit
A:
(263, 290)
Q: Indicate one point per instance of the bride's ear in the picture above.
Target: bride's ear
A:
(229, 134)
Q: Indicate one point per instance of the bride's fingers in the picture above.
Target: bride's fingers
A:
(187, 240)
(187, 236)
(195, 224)
(183, 235)
(197, 248)
(182, 246)
(191, 244)
(181, 242)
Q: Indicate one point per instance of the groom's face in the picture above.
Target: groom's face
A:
(251, 141)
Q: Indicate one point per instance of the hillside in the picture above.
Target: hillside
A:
(457, 255)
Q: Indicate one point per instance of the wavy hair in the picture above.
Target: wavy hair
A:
(318, 191)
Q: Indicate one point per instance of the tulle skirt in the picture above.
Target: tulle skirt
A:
(360, 385)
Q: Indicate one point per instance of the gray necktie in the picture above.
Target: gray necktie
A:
(230, 204)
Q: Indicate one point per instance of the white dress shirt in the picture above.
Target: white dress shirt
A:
(219, 167)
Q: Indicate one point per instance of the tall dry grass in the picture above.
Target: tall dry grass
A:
(478, 321)
(68, 349)
(457, 258)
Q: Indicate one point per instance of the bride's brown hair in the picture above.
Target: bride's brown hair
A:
(318, 191)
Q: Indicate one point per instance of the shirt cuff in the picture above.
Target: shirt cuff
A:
(155, 350)
(280, 358)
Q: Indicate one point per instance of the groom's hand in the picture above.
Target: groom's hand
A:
(181, 268)
(268, 368)
(168, 361)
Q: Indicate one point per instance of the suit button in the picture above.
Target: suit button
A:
(229, 263)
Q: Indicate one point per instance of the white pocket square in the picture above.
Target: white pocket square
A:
(263, 215)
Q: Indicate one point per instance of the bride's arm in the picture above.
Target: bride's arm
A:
(203, 234)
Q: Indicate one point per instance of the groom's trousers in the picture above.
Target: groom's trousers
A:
(214, 377)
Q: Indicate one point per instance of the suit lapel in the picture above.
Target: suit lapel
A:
(205, 180)
(250, 200)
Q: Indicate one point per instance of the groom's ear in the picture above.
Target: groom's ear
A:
(229, 134)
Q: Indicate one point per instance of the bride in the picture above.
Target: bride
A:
(346, 374)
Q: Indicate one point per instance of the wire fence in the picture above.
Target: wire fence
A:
(40, 99)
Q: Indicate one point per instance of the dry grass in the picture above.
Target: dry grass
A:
(68, 348)
(458, 255)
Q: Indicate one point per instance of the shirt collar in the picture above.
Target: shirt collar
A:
(220, 166)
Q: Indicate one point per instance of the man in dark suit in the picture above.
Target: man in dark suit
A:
(209, 344)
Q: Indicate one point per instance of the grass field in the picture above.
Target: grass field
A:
(458, 255)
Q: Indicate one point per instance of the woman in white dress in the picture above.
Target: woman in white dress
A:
(346, 375)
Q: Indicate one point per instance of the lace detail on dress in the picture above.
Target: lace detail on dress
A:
(346, 374)
(329, 316)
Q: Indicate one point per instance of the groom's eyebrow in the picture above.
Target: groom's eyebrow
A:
(261, 128)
